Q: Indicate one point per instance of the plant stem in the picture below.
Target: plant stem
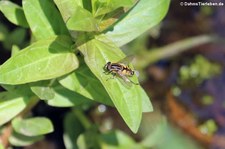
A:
(82, 118)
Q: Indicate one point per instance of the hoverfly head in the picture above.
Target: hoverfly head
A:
(107, 65)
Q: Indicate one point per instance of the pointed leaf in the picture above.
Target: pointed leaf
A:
(32, 126)
(10, 103)
(144, 15)
(44, 19)
(14, 13)
(128, 101)
(42, 60)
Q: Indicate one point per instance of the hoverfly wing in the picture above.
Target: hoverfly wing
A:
(127, 60)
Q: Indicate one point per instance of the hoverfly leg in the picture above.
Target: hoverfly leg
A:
(113, 74)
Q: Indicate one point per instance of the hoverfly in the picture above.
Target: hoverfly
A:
(121, 69)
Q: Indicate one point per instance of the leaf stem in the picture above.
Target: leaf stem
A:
(82, 118)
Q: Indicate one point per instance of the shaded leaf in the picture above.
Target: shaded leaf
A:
(144, 15)
(66, 98)
(84, 82)
(44, 19)
(32, 126)
(21, 140)
(128, 101)
(10, 103)
(14, 13)
(42, 60)
(73, 128)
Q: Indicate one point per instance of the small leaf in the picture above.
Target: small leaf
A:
(82, 20)
(44, 19)
(10, 103)
(84, 82)
(144, 15)
(33, 126)
(146, 103)
(128, 101)
(14, 13)
(23, 89)
(66, 98)
(43, 89)
(21, 140)
(42, 60)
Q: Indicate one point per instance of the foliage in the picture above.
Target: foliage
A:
(63, 64)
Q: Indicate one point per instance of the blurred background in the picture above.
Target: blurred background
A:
(181, 64)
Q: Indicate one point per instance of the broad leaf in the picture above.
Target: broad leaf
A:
(42, 60)
(21, 140)
(82, 20)
(33, 126)
(10, 103)
(44, 19)
(66, 98)
(128, 101)
(84, 82)
(14, 13)
(144, 15)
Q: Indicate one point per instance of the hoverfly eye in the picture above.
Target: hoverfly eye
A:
(132, 72)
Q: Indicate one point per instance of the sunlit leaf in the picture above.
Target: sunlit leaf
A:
(82, 20)
(68, 7)
(44, 19)
(32, 126)
(14, 13)
(43, 89)
(144, 15)
(42, 60)
(128, 101)
(101, 7)
(10, 103)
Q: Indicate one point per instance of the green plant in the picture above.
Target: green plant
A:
(63, 65)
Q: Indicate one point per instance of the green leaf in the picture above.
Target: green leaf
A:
(10, 105)
(118, 140)
(15, 50)
(32, 126)
(144, 15)
(67, 7)
(82, 20)
(21, 140)
(14, 13)
(73, 128)
(43, 89)
(66, 98)
(101, 7)
(128, 101)
(44, 19)
(23, 89)
(146, 103)
(43, 60)
(84, 82)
